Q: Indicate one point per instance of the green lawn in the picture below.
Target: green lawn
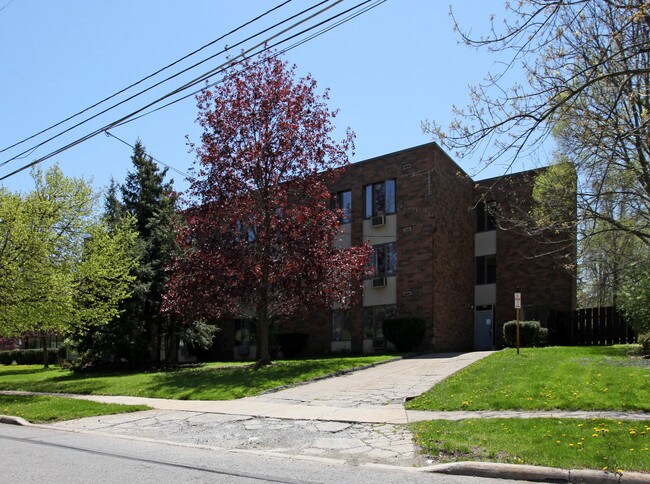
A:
(212, 381)
(566, 378)
(37, 409)
(564, 443)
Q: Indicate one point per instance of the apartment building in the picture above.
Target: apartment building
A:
(439, 254)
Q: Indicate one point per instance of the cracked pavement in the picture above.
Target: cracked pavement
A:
(380, 388)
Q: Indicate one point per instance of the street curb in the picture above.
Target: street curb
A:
(10, 419)
(536, 473)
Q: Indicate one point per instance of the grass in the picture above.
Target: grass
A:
(209, 382)
(38, 409)
(564, 378)
(608, 445)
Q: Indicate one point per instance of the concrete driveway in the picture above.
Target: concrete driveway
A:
(351, 418)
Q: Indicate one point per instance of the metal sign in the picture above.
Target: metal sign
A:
(517, 300)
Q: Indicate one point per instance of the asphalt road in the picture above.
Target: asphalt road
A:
(37, 454)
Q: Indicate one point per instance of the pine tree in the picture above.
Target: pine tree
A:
(152, 201)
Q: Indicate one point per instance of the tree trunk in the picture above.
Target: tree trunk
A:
(46, 354)
(263, 322)
(172, 344)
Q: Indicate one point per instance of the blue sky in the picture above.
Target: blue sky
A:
(387, 70)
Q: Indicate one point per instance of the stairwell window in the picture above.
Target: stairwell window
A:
(485, 217)
(379, 198)
(486, 269)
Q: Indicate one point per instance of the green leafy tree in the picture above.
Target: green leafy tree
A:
(61, 266)
(634, 298)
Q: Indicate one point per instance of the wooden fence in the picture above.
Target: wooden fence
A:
(597, 326)
(583, 327)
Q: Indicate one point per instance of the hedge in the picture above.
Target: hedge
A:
(405, 333)
(30, 357)
(531, 333)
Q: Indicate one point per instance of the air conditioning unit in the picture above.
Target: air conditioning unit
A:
(378, 221)
(379, 282)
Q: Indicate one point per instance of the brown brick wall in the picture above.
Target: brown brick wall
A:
(434, 240)
(538, 267)
(454, 256)
(435, 250)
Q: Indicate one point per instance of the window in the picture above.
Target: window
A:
(485, 217)
(383, 261)
(486, 269)
(343, 201)
(379, 198)
(341, 325)
(245, 232)
(245, 333)
(373, 320)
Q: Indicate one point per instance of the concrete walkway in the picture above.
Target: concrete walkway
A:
(372, 395)
(355, 418)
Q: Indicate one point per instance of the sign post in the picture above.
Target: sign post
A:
(517, 307)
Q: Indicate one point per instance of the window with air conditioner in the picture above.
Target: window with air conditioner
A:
(379, 199)
(383, 263)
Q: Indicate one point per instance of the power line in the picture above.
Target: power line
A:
(287, 49)
(29, 150)
(6, 5)
(121, 91)
(132, 116)
(111, 135)
(175, 91)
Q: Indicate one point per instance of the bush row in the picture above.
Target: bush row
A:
(405, 333)
(30, 357)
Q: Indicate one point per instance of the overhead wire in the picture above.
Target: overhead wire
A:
(168, 66)
(133, 96)
(280, 52)
(131, 117)
(166, 165)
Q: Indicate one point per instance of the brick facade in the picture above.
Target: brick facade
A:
(434, 228)
(542, 269)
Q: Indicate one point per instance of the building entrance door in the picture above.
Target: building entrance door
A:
(483, 324)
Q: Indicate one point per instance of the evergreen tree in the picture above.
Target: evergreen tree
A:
(152, 201)
(113, 208)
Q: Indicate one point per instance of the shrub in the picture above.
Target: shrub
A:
(644, 341)
(405, 333)
(30, 357)
(531, 333)
(291, 343)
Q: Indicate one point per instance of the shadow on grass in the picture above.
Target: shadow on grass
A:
(24, 371)
(231, 383)
(201, 383)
